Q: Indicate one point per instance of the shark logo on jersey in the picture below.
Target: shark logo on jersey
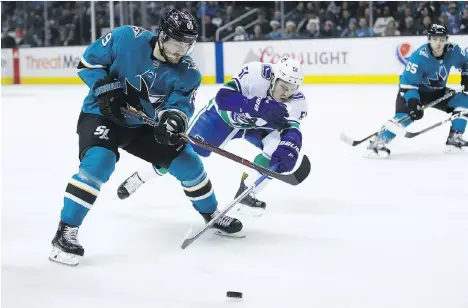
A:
(440, 77)
(142, 93)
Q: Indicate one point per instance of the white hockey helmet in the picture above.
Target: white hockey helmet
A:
(289, 71)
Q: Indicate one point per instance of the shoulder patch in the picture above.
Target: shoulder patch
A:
(451, 46)
(423, 52)
(266, 71)
(191, 64)
(137, 31)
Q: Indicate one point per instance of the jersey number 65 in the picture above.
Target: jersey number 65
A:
(411, 67)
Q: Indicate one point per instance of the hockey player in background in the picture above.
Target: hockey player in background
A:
(153, 74)
(263, 105)
(424, 80)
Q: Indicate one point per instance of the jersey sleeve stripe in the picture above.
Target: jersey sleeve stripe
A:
(408, 86)
(231, 85)
(88, 65)
(239, 88)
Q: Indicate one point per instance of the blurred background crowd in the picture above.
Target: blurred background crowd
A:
(39, 23)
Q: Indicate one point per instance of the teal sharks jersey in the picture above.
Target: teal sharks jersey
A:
(426, 73)
(127, 54)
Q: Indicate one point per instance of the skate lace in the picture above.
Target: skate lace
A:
(133, 183)
(71, 235)
(224, 220)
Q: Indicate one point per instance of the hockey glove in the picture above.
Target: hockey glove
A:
(269, 110)
(287, 151)
(416, 109)
(172, 123)
(110, 97)
(464, 81)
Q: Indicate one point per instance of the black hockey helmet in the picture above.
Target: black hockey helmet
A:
(437, 30)
(180, 28)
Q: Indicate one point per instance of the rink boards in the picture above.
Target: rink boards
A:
(325, 61)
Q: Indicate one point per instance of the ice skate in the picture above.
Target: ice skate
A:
(129, 186)
(455, 143)
(65, 246)
(377, 149)
(253, 206)
(225, 225)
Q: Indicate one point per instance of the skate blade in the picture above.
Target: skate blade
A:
(64, 258)
(372, 155)
(450, 149)
(239, 234)
(250, 211)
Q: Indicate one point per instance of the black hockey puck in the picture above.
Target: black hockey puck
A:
(234, 294)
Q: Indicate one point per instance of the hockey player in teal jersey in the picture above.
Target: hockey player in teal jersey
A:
(131, 67)
(424, 80)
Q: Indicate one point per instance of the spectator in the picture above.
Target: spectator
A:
(312, 30)
(210, 29)
(464, 22)
(276, 33)
(209, 9)
(298, 14)
(361, 11)
(276, 16)
(218, 20)
(364, 30)
(240, 34)
(328, 30)
(410, 28)
(443, 19)
(344, 20)
(402, 21)
(351, 30)
(382, 22)
(263, 23)
(7, 40)
(425, 26)
(454, 19)
(290, 31)
(258, 35)
(391, 29)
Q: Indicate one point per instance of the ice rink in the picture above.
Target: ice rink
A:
(357, 233)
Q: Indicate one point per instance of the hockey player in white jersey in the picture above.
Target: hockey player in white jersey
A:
(261, 104)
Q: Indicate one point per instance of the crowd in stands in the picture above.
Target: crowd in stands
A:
(69, 23)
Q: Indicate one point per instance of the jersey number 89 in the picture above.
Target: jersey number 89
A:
(411, 67)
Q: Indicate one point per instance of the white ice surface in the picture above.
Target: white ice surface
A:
(357, 233)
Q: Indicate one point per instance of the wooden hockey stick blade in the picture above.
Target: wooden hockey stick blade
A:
(451, 118)
(294, 178)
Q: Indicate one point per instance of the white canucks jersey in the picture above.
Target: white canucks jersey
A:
(254, 80)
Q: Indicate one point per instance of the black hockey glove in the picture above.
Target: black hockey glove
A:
(110, 97)
(416, 109)
(464, 81)
(171, 124)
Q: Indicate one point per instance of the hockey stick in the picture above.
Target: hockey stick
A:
(191, 237)
(348, 140)
(295, 178)
(451, 118)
